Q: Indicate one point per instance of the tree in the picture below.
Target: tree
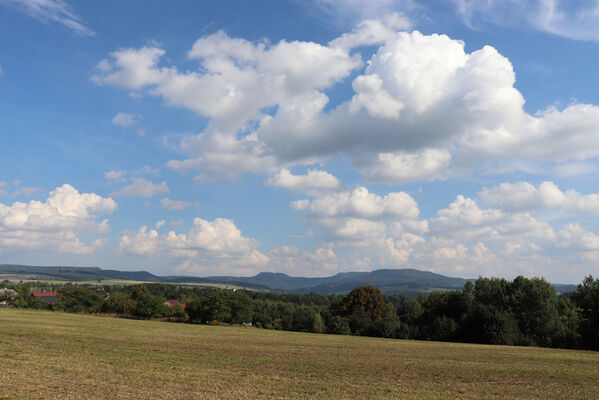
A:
(146, 305)
(338, 325)
(534, 304)
(366, 300)
(242, 309)
(410, 314)
(307, 319)
(78, 299)
(26, 300)
(586, 298)
(494, 326)
(119, 303)
(8, 296)
(176, 313)
(195, 310)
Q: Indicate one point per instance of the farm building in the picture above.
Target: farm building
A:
(48, 297)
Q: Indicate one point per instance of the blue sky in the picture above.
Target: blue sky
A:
(312, 137)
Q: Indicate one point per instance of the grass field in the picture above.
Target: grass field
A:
(46, 355)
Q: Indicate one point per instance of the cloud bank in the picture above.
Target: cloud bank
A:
(422, 108)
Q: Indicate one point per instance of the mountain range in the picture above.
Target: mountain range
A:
(408, 282)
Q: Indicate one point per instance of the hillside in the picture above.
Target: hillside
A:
(71, 356)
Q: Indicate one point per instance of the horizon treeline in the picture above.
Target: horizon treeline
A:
(525, 312)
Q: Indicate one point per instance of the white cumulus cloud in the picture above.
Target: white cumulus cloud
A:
(524, 196)
(216, 245)
(422, 108)
(56, 223)
(313, 179)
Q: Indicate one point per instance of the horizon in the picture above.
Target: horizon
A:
(305, 138)
(275, 272)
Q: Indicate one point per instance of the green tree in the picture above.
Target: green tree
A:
(78, 299)
(339, 325)
(176, 313)
(195, 310)
(242, 307)
(119, 303)
(410, 314)
(366, 300)
(24, 299)
(586, 298)
(146, 305)
(534, 304)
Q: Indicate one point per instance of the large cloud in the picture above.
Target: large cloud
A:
(56, 223)
(379, 231)
(360, 203)
(465, 220)
(368, 231)
(216, 245)
(422, 108)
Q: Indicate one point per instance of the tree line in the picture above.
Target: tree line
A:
(526, 312)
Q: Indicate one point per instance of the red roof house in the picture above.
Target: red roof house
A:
(48, 297)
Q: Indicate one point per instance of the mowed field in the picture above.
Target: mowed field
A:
(47, 355)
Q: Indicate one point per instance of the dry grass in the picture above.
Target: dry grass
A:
(48, 355)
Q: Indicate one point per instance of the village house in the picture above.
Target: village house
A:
(48, 297)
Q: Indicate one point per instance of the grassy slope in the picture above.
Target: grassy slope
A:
(56, 355)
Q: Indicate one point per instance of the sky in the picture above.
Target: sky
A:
(303, 137)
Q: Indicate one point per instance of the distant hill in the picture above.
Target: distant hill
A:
(407, 281)
(388, 280)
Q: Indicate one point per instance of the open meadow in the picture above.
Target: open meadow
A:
(69, 356)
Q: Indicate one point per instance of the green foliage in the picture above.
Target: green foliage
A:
(222, 305)
(587, 300)
(24, 299)
(307, 319)
(78, 299)
(496, 311)
(195, 310)
(339, 326)
(365, 300)
(147, 305)
(119, 303)
(365, 311)
(176, 313)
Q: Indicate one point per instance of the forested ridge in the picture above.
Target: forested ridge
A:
(523, 311)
